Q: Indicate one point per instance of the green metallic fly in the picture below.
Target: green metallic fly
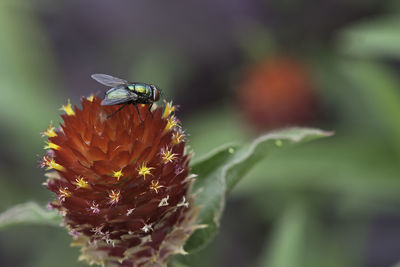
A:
(125, 93)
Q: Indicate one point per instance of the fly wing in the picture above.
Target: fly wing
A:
(108, 80)
(117, 96)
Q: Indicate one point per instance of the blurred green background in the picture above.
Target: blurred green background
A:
(236, 68)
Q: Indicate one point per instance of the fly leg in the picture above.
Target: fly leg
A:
(115, 112)
(151, 113)
(140, 117)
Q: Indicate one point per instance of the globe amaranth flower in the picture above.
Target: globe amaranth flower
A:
(277, 92)
(122, 186)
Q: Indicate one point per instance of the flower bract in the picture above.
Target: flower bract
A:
(122, 186)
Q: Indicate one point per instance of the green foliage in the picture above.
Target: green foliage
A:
(256, 41)
(26, 75)
(372, 38)
(379, 87)
(338, 167)
(354, 174)
(288, 238)
(28, 213)
(225, 119)
(219, 172)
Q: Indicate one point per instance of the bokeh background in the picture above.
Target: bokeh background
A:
(236, 68)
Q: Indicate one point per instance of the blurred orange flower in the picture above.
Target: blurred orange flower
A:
(277, 92)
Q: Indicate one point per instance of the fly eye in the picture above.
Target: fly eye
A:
(156, 94)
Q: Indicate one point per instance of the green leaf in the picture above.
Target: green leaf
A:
(301, 238)
(28, 213)
(219, 172)
(379, 87)
(338, 167)
(288, 241)
(28, 75)
(372, 38)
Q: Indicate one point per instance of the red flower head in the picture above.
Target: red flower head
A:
(122, 186)
(278, 92)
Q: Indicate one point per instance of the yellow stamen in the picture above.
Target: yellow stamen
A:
(114, 196)
(64, 193)
(50, 145)
(154, 259)
(144, 170)
(167, 155)
(68, 109)
(81, 183)
(90, 98)
(118, 174)
(50, 131)
(171, 123)
(51, 164)
(155, 186)
(169, 108)
(177, 138)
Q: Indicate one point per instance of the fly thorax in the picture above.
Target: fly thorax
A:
(131, 87)
(140, 88)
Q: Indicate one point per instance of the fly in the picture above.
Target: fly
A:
(124, 93)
